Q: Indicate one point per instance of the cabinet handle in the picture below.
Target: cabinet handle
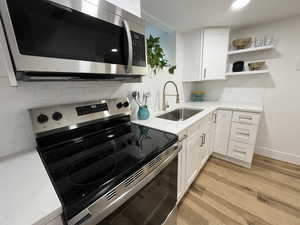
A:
(215, 117)
(201, 143)
(204, 76)
(180, 147)
(204, 138)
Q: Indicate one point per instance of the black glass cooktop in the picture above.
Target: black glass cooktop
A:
(87, 162)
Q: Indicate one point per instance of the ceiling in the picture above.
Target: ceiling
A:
(185, 15)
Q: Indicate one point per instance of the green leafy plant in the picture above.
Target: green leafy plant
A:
(156, 57)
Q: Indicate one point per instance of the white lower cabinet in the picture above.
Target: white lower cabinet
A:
(240, 151)
(181, 181)
(222, 132)
(195, 151)
(235, 136)
(243, 133)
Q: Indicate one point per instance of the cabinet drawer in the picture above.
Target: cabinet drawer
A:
(240, 151)
(246, 117)
(243, 133)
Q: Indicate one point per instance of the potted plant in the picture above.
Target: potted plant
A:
(156, 57)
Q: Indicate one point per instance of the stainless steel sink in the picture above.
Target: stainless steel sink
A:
(180, 114)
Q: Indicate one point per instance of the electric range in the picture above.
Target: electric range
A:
(98, 161)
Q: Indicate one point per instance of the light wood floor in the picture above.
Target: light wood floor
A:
(266, 194)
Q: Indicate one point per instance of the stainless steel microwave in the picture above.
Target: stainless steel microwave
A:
(73, 38)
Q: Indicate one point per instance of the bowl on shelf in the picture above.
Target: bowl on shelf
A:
(238, 66)
(242, 43)
(256, 65)
(197, 96)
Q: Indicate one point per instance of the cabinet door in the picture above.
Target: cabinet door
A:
(223, 126)
(192, 55)
(193, 157)
(202, 151)
(205, 139)
(213, 131)
(182, 180)
(215, 52)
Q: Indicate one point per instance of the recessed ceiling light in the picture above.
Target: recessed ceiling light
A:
(239, 4)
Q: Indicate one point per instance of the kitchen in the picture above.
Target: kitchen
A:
(237, 156)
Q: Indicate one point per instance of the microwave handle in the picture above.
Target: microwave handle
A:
(130, 46)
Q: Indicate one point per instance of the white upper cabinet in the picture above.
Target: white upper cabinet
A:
(132, 6)
(205, 54)
(215, 52)
(192, 55)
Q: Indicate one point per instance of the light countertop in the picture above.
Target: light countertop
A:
(26, 192)
(176, 127)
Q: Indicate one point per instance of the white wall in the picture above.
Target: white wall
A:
(15, 126)
(279, 92)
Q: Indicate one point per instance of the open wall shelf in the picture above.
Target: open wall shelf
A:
(235, 52)
(248, 73)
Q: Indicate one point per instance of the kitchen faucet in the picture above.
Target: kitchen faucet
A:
(165, 104)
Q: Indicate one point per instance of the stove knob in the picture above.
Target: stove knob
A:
(119, 105)
(57, 116)
(42, 118)
(126, 104)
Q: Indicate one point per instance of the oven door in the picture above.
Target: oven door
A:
(154, 204)
(74, 36)
(147, 197)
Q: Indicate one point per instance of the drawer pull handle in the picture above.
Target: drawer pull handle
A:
(244, 134)
(245, 118)
(240, 152)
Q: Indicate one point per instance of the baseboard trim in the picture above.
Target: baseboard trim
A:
(234, 161)
(274, 154)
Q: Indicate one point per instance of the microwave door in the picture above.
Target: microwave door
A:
(48, 37)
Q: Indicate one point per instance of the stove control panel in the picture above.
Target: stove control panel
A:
(70, 115)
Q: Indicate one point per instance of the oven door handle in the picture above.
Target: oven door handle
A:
(130, 47)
